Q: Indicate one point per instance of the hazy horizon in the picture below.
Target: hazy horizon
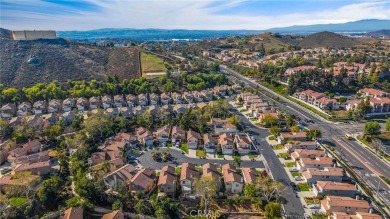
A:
(71, 15)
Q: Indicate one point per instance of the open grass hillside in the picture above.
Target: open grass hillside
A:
(152, 63)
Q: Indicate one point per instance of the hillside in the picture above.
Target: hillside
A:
(328, 39)
(379, 33)
(5, 34)
(25, 63)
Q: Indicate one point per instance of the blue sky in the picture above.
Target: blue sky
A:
(184, 14)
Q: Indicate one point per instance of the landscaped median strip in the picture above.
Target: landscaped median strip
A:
(368, 146)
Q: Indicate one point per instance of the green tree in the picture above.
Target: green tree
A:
(53, 132)
(251, 190)
(10, 95)
(237, 161)
(273, 210)
(270, 120)
(116, 205)
(48, 193)
(206, 189)
(238, 200)
(257, 202)
(313, 133)
(387, 126)
(234, 120)
(275, 130)
(372, 128)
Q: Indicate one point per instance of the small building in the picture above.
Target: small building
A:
(143, 181)
(118, 214)
(326, 188)
(54, 106)
(193, 139)
(144, 136)
(243, 144)
(162, 134)
(94, 103)
(343, 204)
(318, 162)
(234, 182)
(312, 175)
(68, 104)
(295, 136)
(39, 168)
(226, 142)
(82, 104)
(73, 213)
(177, 134)
(119, 176)
(8, 110)
(250, 175)
(39, 107)
(168, 181)
(305, 153)
(107, 101)
(303, 145)
(188, 176)
(209, 143)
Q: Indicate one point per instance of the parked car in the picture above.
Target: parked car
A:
(5, 170)
(293, 170)
(177, 144)
(313, 206)
(306, 216)
(298, 178)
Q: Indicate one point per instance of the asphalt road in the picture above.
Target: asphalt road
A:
(362, 160)
(293, 207)
(178, 158)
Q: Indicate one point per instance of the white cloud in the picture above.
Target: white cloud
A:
(184, 14)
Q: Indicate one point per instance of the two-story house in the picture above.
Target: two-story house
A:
(193, 139)
(209, 143)
(234, 183)
(188, 176)
(326, 188)
(168, 181)
(162, 134)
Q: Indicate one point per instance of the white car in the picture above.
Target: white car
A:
(298, 178)
(293, 170)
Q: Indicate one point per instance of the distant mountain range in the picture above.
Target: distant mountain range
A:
(354, 26)
(361, 26)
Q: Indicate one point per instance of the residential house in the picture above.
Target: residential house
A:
(72, 213)
(223, 126)
(24, 108)
(131, 100)
(209, 143)
(166, 110)
(14, 180)
(188, 176)
(305, 153)
(327, 188)
(94, 103)
(295, 136)
(197, 96)
(243, 144)
(119, 101)
(35, 122)
(162, 134)
(305, 145)
(143, 181)
(68, 104)
(220, 90)
(193, 139)
(177, 98)
(358, 215)
(112, 112)
(82, 104)
(8, 110)
(154, 110)
(234, 182)
(188, 96)
(39, 107)
(211, 171)
(165, 99)
(250, 175)
(236, 88)
(144, 136)
(207, 95)
(54, 106)
(107, 101)
(50, 119)
(122, 175)
(5, 148)
(312, 175)
(226, 142)
(118, 214)
(15, 121)
(126, 112)
(326, 103)
(68, 117)
(177, 134)
(371, 92)
(40, 168)
(30, 147)
(179, 109)
(381, 105)
(154, 99)
(32, 158)
(168, 181)
(343, 204)
(142, 100)
(139, 110)
(318, 162)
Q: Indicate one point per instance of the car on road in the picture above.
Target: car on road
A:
(183, 152)
(307, 216)
(253, 138)
(293, 170)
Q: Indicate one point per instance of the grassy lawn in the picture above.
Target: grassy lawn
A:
(253, 119)
(320, 216)
(220, 156)
(294, 174)
(136, 151)
(169, 144)
(253, 156)
(284, 155)
(200, 153)
(340, 113)
(17, 201)
(278, 147)
(151, 62)
(303, 187)
(184, 147)
(272, 138)
(243, 110)
(291, 164)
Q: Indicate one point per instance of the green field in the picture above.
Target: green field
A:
(291, 164)
(152, 63)
(304, 187)
(184, 147)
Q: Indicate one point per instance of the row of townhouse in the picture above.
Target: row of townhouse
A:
(326, 179)
(317, 99)
(257, 107)
(31, 156)
(118, 101)
(78, 213)
(230, 178)
(378, 99)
